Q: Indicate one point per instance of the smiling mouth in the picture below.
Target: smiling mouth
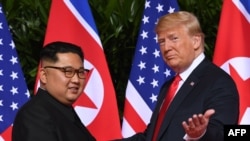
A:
(74, 89)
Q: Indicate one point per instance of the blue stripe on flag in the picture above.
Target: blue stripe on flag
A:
(246, 4)
(84, 12)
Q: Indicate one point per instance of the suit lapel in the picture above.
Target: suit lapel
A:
(181, 95)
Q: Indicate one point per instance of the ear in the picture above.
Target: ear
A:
(196, 41)
(43, 77)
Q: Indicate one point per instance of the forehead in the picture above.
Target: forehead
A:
(66, 59)
(173, 31)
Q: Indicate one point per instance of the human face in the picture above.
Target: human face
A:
(66, 90)
(178, 48)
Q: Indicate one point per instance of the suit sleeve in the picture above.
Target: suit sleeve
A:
(224, 99)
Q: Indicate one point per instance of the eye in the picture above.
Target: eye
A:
(81, 71)
(174, 38)
(68, 69)
(161, 42)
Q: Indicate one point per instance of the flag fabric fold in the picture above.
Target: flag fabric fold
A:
(13, 89)
(72, 21)
(232, 49)
(148, 71)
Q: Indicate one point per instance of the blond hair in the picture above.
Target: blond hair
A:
(180, 18)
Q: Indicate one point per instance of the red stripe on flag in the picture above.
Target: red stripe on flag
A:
(64, 26)
(232, 49)
(7, 134)
(133, 118)
(242, 87)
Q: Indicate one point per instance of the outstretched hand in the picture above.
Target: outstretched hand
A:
(196, 126)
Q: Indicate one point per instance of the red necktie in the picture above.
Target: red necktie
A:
(169, 97)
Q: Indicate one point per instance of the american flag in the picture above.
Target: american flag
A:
(13, 89)
(232, 50)
(148, 71)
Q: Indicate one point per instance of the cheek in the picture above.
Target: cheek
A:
(188, 56)
(83, 84)
(186, 49)
(57, 81)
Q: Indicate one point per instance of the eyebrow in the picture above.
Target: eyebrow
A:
(161, 40)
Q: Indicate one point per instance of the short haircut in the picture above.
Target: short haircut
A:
(49, 51)
(178, 18)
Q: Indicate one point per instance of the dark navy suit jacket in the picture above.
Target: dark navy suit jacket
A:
(45, 119)
(207, 87)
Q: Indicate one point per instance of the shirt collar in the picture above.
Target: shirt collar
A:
(184, 75)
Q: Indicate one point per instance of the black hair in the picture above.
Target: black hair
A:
(50, 50)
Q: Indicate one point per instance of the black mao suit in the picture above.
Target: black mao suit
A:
(206, 87)
(45, 119)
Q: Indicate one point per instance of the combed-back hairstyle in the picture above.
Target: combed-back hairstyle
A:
(179, 18)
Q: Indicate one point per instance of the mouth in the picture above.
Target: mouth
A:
(169, 57)
(74, 89)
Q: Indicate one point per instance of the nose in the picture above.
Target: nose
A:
(168, 44)
(75, 78)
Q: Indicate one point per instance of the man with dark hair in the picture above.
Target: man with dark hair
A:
(49, 115)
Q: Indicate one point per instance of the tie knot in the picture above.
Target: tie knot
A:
(176, 81)
(177, 78)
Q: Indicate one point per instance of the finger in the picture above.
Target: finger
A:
(185, 126)
(202, 119)
(196, 120)
(191, 123)
(209, 113)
